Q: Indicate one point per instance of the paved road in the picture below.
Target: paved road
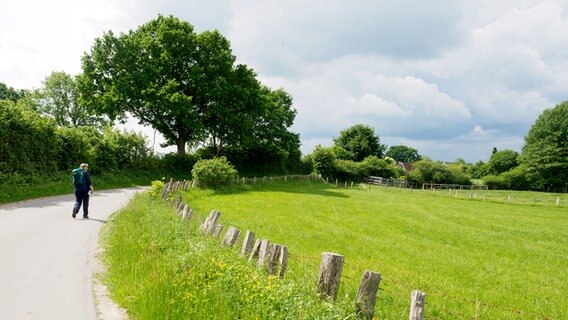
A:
(46, 257)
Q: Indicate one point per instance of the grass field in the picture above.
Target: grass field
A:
(474, 259)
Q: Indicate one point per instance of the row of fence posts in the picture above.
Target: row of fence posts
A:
(473, 195)
(274, 259)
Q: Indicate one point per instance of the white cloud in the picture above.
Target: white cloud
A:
(372, 105)
(444, 76)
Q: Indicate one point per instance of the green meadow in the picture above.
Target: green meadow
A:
(474, 259)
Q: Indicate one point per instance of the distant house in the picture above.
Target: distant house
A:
(406, 166)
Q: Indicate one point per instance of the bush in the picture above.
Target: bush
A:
(375, 166)
(157, 188)
(514, 179)
(213, 173)
(494, 182)
(323, 160)
(349, 170)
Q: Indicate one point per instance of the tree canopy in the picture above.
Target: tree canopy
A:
(360, 141)
(60, 99)
(502, 161)
(184, 84)
(403, 153)
(545, 152)
(9, 93)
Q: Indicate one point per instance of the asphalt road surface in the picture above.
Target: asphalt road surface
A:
(47, 257)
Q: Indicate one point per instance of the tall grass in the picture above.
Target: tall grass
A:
(474, 259)
(163, 268)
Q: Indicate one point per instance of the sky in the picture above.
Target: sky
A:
(450, 78)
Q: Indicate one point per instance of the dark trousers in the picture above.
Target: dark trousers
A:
(82, 197)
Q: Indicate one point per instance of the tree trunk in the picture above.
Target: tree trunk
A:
(180, 142)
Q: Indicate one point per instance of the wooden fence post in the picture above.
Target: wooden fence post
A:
(217, 231)
(330, 274)
(166, 191)
(209, 223)
(248, 243)
(262, 252)
(272, 261)
(557, 201)
(187, 213)
(231, 236)
(254, 252)
(182, 209)
(283, 261)
(417, 305)
(367, 294)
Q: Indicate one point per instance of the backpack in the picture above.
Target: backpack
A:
(78, 179)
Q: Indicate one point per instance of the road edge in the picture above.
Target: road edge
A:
(105, 307)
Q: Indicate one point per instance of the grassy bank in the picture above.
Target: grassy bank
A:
(474, 259)
(163, 268)
(16, 187)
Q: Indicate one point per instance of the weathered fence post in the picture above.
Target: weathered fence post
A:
(283, 261)
(330, 274)
(166, 191)
(417, 305)
(179, 201)
(179, 208)
(187, 213)
(231, 236)
(209, 223)
(254, 252)
(217, 231)
(262, 252)
(248, 243)
(558, 201)
(367, 294)
(272, 261)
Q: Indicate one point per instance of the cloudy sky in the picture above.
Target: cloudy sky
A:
(450, 78)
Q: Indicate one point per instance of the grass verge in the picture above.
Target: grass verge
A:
(160, 267)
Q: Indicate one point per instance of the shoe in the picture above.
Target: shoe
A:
(74, 215)
(85, 217)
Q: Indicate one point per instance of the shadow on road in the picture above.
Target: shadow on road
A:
(93, 219)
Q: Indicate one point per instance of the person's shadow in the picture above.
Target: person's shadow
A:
(96, 220)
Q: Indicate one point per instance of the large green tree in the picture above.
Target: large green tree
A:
(545, 152)
(403, 153)
(162, 73)
(151, 73)
(360, 141)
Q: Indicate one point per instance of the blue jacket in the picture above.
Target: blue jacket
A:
(87, 185)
